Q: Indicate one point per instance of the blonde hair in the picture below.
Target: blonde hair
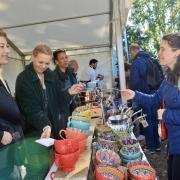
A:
(41, 48)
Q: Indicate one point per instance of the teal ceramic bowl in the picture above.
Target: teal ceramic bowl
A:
(91, 85)
(130, 153)
(78, 124)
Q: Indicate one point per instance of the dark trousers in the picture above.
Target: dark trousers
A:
(173, 167)
(151, 132)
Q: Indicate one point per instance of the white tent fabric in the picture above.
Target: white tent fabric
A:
(59, 23)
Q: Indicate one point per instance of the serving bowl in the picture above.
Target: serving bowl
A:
(66, 146)
(130, 153)
(108, 157)
(108, 173)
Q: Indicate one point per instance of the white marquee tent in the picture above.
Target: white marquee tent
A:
(85, 28)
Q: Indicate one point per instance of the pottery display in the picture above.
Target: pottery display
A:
(109, 173)
(108, 157)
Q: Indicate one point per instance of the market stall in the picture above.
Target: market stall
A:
(111, 150)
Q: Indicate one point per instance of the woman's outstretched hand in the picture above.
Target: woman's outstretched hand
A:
(76, 88)
(128, 94)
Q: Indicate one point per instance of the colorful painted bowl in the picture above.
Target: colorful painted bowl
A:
(142, 172)
(106, 137)
(130, 153)
(66, 146)
(125, 161)
(108, 157)
(129, 142)
(105, 145)
(108, 173)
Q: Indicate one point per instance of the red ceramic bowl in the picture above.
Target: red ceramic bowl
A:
(66, 146)
(73, 133)
(66, 160)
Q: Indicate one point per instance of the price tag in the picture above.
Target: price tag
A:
(144, 122)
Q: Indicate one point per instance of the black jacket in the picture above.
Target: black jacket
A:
(11, 119)
(30, 99)
(61, 79)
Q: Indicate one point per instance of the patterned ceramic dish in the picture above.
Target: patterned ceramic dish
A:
(105, 145)
(109, 173)
(106, 138)
(130, 152)
(108, 157)
(142, 172)
(129, 142)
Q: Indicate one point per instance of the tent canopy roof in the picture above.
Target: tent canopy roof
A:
(69, 24)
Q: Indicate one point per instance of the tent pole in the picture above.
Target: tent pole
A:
(119, 46)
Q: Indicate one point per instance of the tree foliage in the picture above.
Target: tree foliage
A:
(150, 20)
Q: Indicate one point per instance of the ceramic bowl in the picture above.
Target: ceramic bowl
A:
(106, 137)
(130, 153)
(67, 162)
(91, 85)
(142, 172)
(78, 118)
(100, 128)
(78, 124)
(73, 134)
(105, 145)
(108, 173)
(66, 146)
(107, 157)
(129, 142)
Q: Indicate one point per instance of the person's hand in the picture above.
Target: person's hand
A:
(46, 132)
(128, 94)
(7, 138)
(160, 113)
(100, 77)
(76, 88)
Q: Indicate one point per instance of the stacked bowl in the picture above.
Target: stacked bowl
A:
(66, 153)
(130, 153)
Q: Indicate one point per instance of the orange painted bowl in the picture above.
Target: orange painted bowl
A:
(108, 173)
(66, 146)
(108, 157)
(67, 160)
(142, 172)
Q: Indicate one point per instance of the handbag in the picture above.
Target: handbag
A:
(164, 133)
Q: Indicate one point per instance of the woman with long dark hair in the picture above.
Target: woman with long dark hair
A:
(169, 91)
